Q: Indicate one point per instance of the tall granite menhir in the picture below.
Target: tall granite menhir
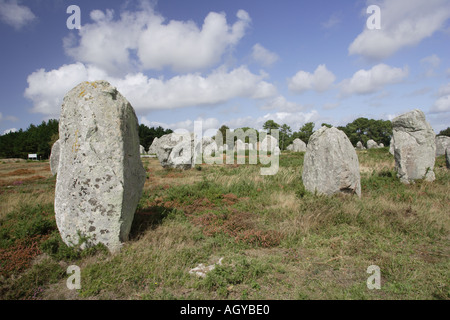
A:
(100, 173)
(331, 164)
(414, 147)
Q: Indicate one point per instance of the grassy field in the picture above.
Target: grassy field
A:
(277, 240)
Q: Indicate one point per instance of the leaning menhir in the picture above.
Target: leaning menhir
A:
(331, 164)
(100, 173)
(414, 147)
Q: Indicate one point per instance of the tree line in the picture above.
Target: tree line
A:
(361, 129)
(39, 139)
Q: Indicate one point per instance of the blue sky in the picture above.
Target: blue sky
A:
(237, 63)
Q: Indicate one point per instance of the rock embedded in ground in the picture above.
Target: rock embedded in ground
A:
(331, 164)
(414, 147)
(100, 173)
(54, 158)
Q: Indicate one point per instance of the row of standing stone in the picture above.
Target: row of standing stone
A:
(100, 175)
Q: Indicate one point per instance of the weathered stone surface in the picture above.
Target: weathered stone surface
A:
(372, 144)
(176, 151)
(290, 147)
(54, 157)
(381, 145)
(447, 157)
(442, 143)
(414, 147)
(142, 150)
(298, 145)
(153, 146)
(360, 146)
(331, 164)
(100, 173)
(391, 146)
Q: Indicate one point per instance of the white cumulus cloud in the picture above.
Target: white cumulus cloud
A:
(263, 56)
(320, 81)
(46, 89)
(14, 14)
(143, 40)
(404, 23)
(442, 104)
(372, 80)
(282, 104)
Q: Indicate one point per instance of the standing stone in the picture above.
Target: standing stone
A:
(299, 145)
(269, 144)
(381, 145)
(290, 147)
(54, 157)
(142, 150)
(239, 146)
(331, 164)
(360, 146)
(153, 146)
(100, 173)
(175, 150)
(391, 146)
(442, 143)
(372, 144)
(414, 147)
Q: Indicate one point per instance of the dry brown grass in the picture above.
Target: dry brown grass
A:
(18, 188)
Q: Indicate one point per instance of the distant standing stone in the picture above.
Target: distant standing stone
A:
(360, 146)
(269, 144)
(176, 151)
(372, 144)
(54, 158)
(153, 147)
(299, 145)
(100, 173)
(331, 164)
(442, 143)
(414, 147)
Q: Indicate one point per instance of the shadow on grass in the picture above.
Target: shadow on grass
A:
(148, 219)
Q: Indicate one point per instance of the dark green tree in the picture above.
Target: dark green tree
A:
(306, 131)
(223, 131)
(445, 132)
(285, 132)
(270, 125)
(363, 129)
(147, 135)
